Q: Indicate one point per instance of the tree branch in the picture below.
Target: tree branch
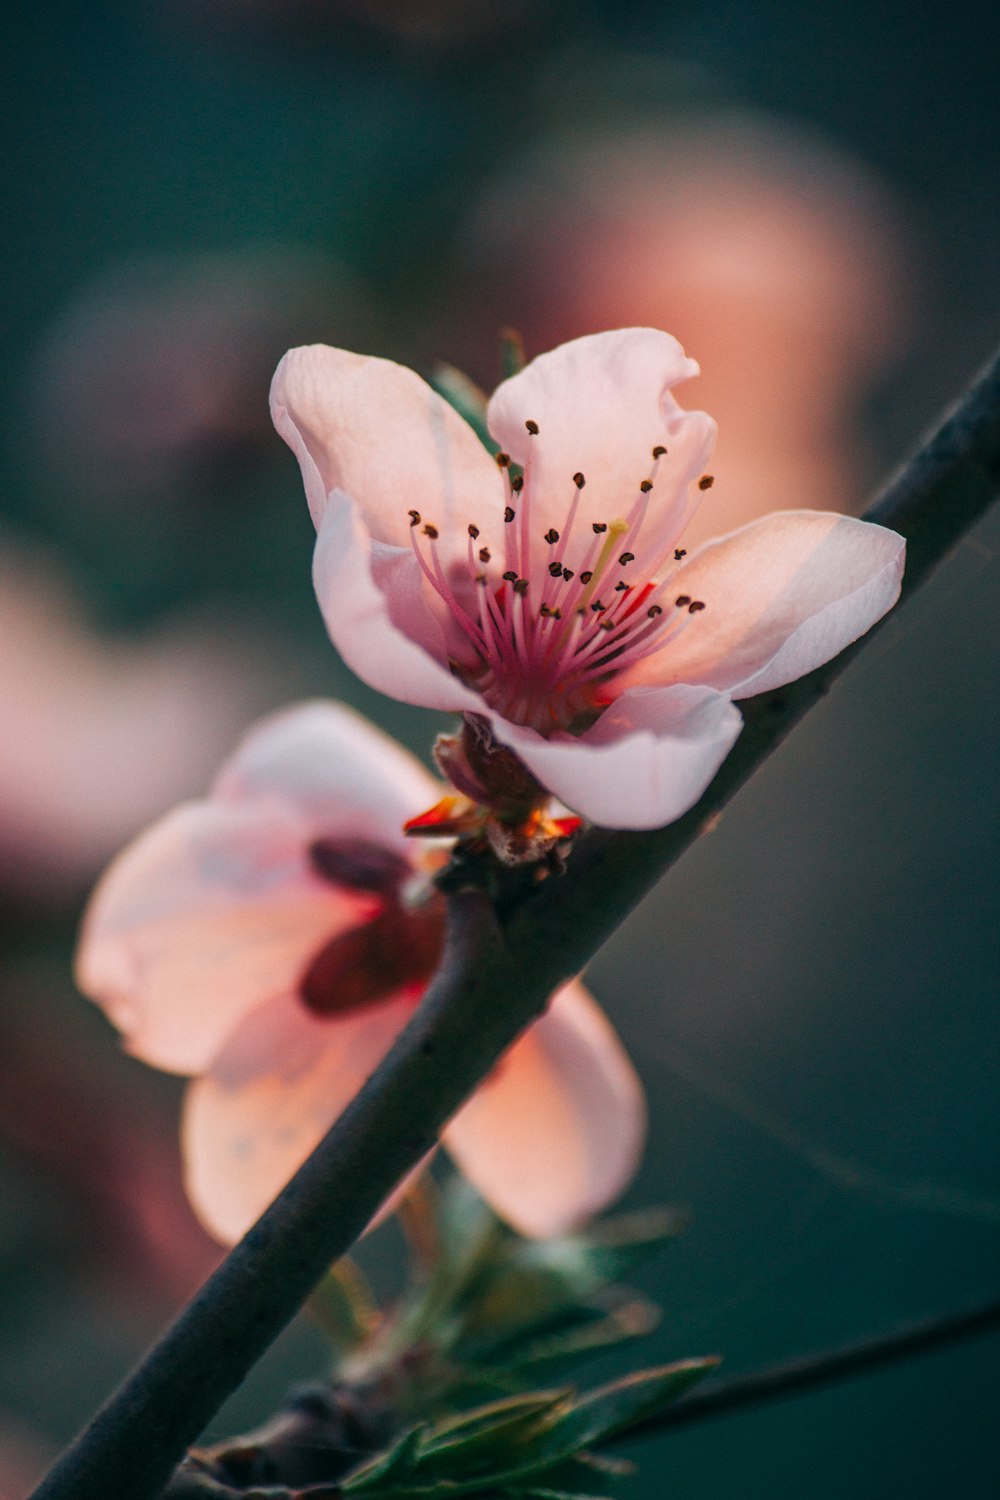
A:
(796, 1376)
(495, 979)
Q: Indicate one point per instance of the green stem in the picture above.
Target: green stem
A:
(493, 982)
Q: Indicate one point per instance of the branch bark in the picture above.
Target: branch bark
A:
(495, 979)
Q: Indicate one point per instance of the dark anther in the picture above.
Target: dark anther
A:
(473, 532)
(484, 554)
(431, 531)
(508, 514)
(654, 610)
(682, 599)
(555, 568)
(511, 576)
(600, 526)
(568, 574)
(544, 611)
(503, 459)
(695, 605)
(646, 486)
(626, 558)
(521, 586)
(659, 451)
(579, 480)
(598, 607)
(680, 552)
(517, 483)
(532, 427)
(552, 536)
(586, 577)
(706, 481)
(606, 624)
(414, 517)
(621, 587)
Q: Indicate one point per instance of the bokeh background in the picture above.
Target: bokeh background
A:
(807, 197)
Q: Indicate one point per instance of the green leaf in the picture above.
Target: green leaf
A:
(467, 399)
(612, 1409)
(492, 1434)
(391, 1467)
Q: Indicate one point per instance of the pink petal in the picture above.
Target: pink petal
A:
(210, 911)
(378, 432)
(378, 616)
(273, 1092)
(556, 1131)
(602, 404)
(645, 762)
(782, 595)
(342, 774)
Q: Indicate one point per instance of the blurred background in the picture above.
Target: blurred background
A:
(807, 198)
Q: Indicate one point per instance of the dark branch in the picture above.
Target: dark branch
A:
(794, 1377)
(493, 983)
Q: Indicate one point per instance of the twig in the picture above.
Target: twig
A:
(494, 981)
(794, 1377)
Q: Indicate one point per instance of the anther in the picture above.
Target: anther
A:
(659, 451)
(679, 552)
(706, 481)
(579, 480)
(654, 610)
(517, 483)
(552, 536)
(431, 531)
(484, 554)
(473, 532)
(508, 514)
(555, 569)
(503, 459)
(532, 427)
(521, 586)
(598, 607)
(695, 605)
(599, 526)
(511, 577)
(681, 600)
(646, 486)
(626, 558)
(414, 517)
(584, 577)
(568, 574)
(621, 587)
(606, 624)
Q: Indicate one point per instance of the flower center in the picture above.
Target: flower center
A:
(547, 640)
(395, 951)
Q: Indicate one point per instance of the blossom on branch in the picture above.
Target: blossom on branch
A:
(548, 592)
(273, 940)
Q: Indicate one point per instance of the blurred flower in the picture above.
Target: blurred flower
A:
(273, 940)
(774, 255)
(148, 384)
(102, 732)
(557, 604)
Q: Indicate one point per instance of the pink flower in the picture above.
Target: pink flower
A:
(557, 602)
(273, 939)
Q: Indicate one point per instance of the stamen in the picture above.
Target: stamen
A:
(431, 531)
(414, 517)
(509, 514)
(503, 460)
(473, 532)
(552, 536)
(706, 481)
(646, 486)
(680, 552)
(659, 451)
(532, 427)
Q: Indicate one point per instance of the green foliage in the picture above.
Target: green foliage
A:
(532, 1445)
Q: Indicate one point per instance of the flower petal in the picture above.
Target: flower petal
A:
(377, 431)
(378, 618)
(271, 1095)
(210, 911)
(783, 595)
(556, 1131)
(342, 774)
(644, 763)
(602, 404)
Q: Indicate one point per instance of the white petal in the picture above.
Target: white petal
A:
(342, 774)
(782, 596)
(643, 764)
(212, 910)
(556, 1131)
(377, 431)
(382, 625)
(279, 1083)
(602, 404)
